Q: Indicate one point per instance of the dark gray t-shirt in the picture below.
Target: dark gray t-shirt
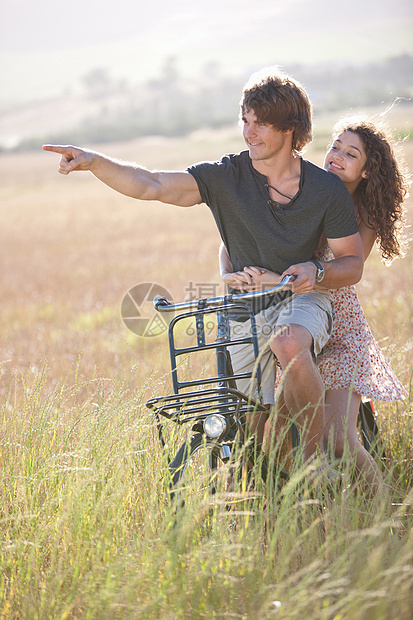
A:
(258, 231)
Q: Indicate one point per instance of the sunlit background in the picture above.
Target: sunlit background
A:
(97, 71)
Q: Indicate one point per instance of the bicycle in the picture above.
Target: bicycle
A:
(220, 447)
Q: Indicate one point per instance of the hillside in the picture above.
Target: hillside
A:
(107, 110)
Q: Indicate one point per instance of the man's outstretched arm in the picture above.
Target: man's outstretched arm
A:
(177, 188)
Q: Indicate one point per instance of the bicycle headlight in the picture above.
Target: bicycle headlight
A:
(215, 425)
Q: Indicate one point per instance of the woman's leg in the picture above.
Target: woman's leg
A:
(342, 408)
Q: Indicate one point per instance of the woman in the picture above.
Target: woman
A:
(352, 364)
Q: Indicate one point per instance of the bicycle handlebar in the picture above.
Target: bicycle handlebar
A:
(163, 305)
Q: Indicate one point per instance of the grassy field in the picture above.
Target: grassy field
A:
(86, 528)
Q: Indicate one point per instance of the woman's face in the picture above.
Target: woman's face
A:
(347, 159)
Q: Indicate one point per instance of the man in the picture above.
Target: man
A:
(271, 207)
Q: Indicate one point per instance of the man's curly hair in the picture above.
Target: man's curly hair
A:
(384, 190)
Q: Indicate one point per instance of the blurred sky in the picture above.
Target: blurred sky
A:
(46, 46)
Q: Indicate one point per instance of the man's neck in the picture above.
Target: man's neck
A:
(283, 170)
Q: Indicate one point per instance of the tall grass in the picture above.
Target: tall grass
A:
(88, 532)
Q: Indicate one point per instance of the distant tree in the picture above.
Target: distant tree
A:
(170, 73)
(97, 82)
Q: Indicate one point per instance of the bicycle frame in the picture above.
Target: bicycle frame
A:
(223, 399)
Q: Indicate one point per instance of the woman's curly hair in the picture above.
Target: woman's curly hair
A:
(384, 190)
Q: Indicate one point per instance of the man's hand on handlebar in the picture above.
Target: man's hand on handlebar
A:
(305, 277)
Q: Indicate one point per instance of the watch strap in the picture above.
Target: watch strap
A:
(317, 264)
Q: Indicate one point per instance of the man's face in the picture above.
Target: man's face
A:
(263, 140)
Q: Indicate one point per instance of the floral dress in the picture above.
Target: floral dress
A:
(352, 359)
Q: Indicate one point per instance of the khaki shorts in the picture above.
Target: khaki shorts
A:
(314, 311)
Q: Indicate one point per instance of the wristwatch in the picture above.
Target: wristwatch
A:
(319, 276)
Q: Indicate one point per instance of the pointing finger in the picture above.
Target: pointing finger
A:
(55, 148)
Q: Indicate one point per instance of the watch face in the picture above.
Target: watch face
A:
(320, 275)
